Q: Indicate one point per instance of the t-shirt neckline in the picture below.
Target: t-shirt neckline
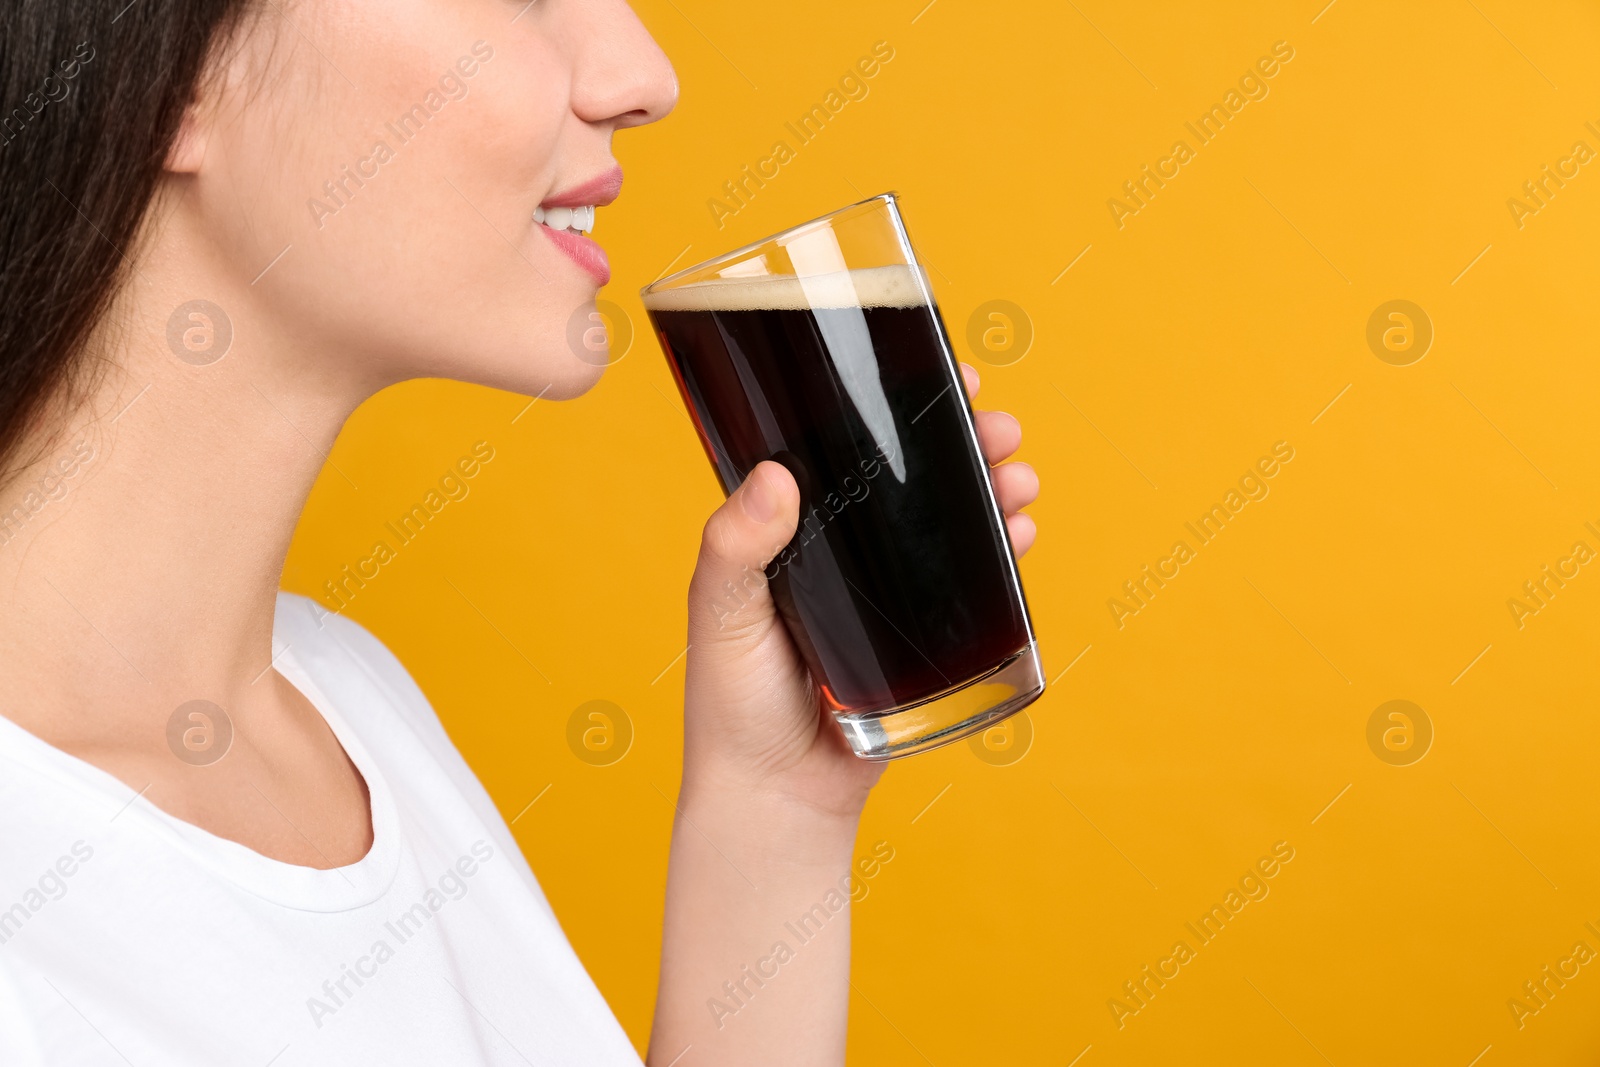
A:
(290, 885)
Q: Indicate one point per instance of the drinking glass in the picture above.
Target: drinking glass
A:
(822, 348)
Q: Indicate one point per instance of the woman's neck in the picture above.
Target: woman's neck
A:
(140, 565)
(140, 554)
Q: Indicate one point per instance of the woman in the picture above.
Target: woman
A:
(336, 196)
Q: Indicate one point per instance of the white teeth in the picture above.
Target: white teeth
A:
(579, 219)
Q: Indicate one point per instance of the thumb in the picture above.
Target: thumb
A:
(728, 596)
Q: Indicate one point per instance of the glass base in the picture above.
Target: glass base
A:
(958, 712)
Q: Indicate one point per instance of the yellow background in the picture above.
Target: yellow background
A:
(1226, 715)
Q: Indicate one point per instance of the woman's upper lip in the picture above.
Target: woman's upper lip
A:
(599, 191)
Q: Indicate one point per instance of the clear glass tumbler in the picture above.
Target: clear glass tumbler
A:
(822, 348)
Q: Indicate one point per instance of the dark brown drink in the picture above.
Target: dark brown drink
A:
(900, 583)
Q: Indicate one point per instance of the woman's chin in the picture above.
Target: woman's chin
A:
(547, 374)
(572, 378)
(563, 378)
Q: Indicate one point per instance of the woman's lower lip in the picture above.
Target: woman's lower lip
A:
(582, 251)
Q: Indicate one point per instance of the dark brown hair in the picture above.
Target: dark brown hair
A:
(93, 92)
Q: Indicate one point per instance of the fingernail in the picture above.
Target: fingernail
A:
(758, 500)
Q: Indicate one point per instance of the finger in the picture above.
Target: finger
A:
(999, 433)
(969, 375)
(728, 594)
(1015, 486)
(1023, 532)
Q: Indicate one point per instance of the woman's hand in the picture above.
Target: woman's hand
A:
(754, 722)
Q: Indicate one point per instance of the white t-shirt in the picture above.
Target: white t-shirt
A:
(130, 937)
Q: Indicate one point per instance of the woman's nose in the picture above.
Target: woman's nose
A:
(622, 76)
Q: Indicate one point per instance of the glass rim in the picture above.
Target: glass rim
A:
(890, 197)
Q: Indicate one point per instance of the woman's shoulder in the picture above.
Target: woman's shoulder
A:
(349, 662)
(352, 674)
